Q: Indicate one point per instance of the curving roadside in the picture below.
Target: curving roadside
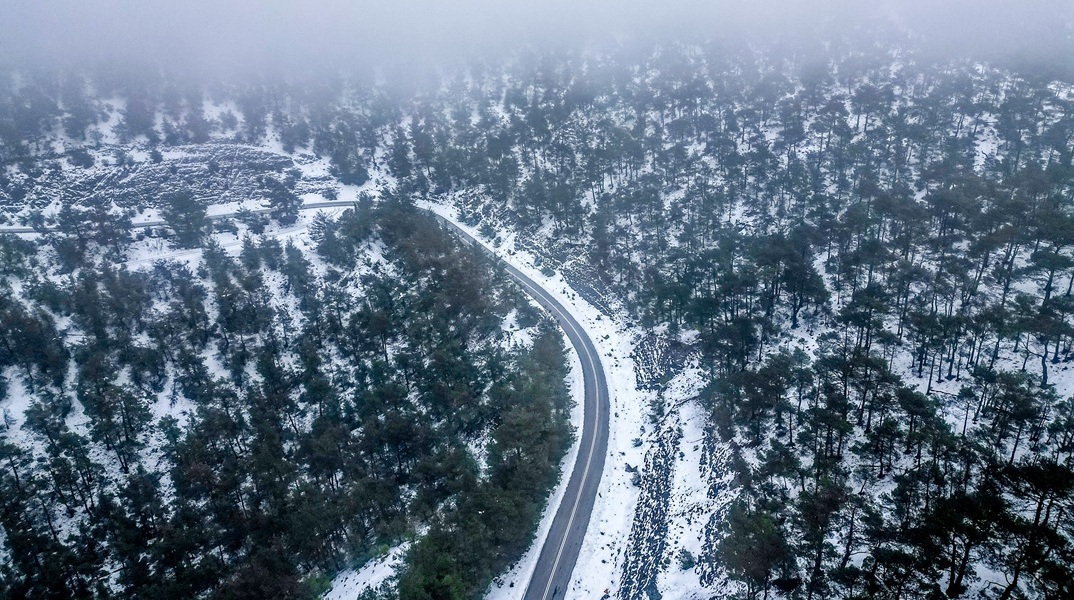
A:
(552, 573)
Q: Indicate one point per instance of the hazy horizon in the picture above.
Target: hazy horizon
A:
(201, 35)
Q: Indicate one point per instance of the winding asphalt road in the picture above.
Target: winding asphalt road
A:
(552, 573)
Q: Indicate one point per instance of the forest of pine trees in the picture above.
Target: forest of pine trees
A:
(244, 425)
(869, 251)
(912, 218)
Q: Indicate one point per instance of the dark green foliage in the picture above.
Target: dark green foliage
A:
(307, 440)
(80, 157)
(79, 108)
(843, 203)
(908, 223)
(283, 204)
(86, 230)
(461, 554)
(139, 114)
(29, 341)
(348, 166)
(16, 256)
(187, 217)
(754, 549)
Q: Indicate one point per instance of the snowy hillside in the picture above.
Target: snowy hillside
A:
(832, 289)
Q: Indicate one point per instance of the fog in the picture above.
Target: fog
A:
(243, 34)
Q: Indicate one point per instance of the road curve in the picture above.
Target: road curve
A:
(552, 573)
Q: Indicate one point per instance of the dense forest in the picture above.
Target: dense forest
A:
(244, 426)
(869, 252)
(874, 258)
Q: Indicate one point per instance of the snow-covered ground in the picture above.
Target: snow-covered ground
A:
(693, 504)
(598, 568)
(512, 584)
(353, 582)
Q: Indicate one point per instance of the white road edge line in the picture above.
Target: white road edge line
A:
(593, 442)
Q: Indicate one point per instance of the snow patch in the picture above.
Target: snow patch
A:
(352, 583)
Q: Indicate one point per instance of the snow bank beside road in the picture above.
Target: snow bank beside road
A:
(599, 562)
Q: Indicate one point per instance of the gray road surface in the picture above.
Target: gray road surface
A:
(552, 574)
